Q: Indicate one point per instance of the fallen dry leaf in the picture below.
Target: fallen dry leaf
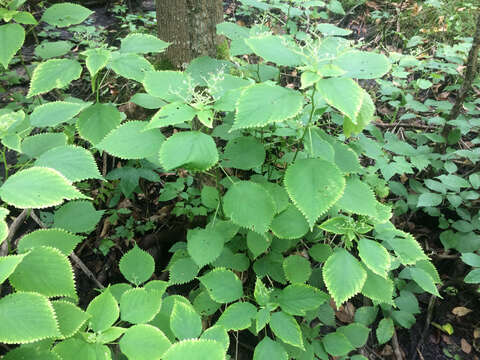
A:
(461, 311)
(466, 347)
(476, 333)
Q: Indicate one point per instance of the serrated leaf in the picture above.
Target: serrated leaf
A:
(204, 305)
(137, 266)
(195, 350)
(339, 225)
(65, 14)
(237, 316)
(217, 333)
(171, 114)
(138, 305)
(269, 349)
(289, 224)
(278, 194)
(110, 335)
(185, 322)
(237, 204)
(130, 66)
(429, 199)
(406, 248)
(8, 264)
(12, 37)
(167, 85)
(424, 280)
(363, 64)
(358, 198)
(297, 269)
(344, 94)
(378, 288)
(473, 277)
(36, 145)
(55, 113)
(337, 344)
(45, 270)
(286, 328)
(344, 276)
(366, 315)
(385, 330)
(131, 141)
(96, 60)
(276, 49)
(53, 49)
(97, 121)
(31, 352)
(297, 299)
(77, 217)
(263, 104)
(142, 44)
(364, 116)
(56, 238)
(222, 285)
(262, 319)
(26, 317)
(374, 256)
(104, 311)
(320, 252)
(70, 317)
(73, 162)
(144, 342)
(356, 334)
(199, 152)
(345, 158)
(183, 271)
(81, 349)
(204, 245)
(314, 185)
(244, 153)
(53, 74)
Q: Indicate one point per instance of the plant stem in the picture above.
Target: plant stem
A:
(308, 124)
(5, 165)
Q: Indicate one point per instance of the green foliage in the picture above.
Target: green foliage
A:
(12, 36)
(65, 14)
(137, 266)
(77, 217)
(54, 74)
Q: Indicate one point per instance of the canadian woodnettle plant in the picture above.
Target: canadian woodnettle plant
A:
(277, 175)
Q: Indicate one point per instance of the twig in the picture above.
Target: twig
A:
(11, 232)
(411, 126)
(396, 346)
(74, 257)
(428, 320)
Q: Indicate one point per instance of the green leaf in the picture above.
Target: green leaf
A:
(286, 328)
(378, 288)
(344, 276)
(385, 330)
(26, 317)
(429, 199)
(356, 334)
(222, 285)
(65, 14)
(195, 350)
(339, 225)
(38, 187)
(320, 252)
(138, 305)
(297, 269)
(263, 104)
(52, 49)
(80, 349)
(171, 114)
(210, 197)
(204, 245)
(375, 256)
(238, 206)
(344, 94)
(70, 317)
(185, 322)
(8, 264)
(24, 17)
(104, 311)
(199, 152)
(473, 277)
(55, 113)
(97, 121)
(130, 66)
(297, 299)
(137, 266)
(237, 316)
(407, 248)
(363, 64)
(74, 162)
(204, 305)
(56, 238)
(131, 141)
(142, 44)
(183, 271)
(96, 60)
(45, 270)
(12, 37)
(366, 315)
(258, 243)
(358, 198)
(147, 101)
(289, 224)
(167, 85)
(217, 333)
(36, 145)
(471, 259)
(424, 280)
(337, 344)
(269, 349)
(244, 153)
(262, 319)
(261, 293)
(314, 185)
(278, 194)
(332, 30)
(275, 49)
(31, 352)
(3, 224)
(53, 74)
(77, 217)
(345, 158)
(144, 342)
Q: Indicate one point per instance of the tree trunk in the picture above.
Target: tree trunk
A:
(190, 27)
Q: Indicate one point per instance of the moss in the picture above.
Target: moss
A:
(223, 50)
(162, 63)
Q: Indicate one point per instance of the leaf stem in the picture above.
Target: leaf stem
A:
(308, 124)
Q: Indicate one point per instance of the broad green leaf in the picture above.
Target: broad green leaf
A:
(36, 145)
(407, 248)
(195, 350)
(366, 315)
(314, 185)
(167, 85)
(80, 349)
(57, 238)
(263, 104)
(210, 197)
(110, 335)
(65, 14)
(473, 277)
(96, 60)
(137, 266)
(339, 225)
(74, 162)
(53, 74)
(320, 252)
(23, 17)
(44, 270)
(385, 330)
(118, 289)
(183, 271)
(337, 344)
(261, 293)
(237, 316)
(297, 299)
(297, 269)
(262, 319)
(403, 318)
(52, 49)
(204, 305)
(268, 349)
(69, 316)
(365, 115)
(345, 158)
(138, 305)
(31, 352)
(130, 66)
(217, 333)
(104, 311)
(77, 217)
(374, 256)
(278, 194)
(358, 198)
(363, 64)
(424, 280)
(144, 342)
(26, 317)
(276, 49)
(185, 322)
(204, 245)
(344, 94)
(356, 334)
(471, 259)
(131, 141)
(204, 68)
(198, 151)
(222, 285)
(378, 288)
(429, 199)
(171, 114)
(244, 153)
(97, 121)
(12, 37)
(147, 101)
(344, 276)
(332, 30)
(142, 44)
(238, 202)
(286, 328)
(56, 112)
(8, 264)
(289, 224)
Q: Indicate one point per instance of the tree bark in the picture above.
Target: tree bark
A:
(190, 27)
